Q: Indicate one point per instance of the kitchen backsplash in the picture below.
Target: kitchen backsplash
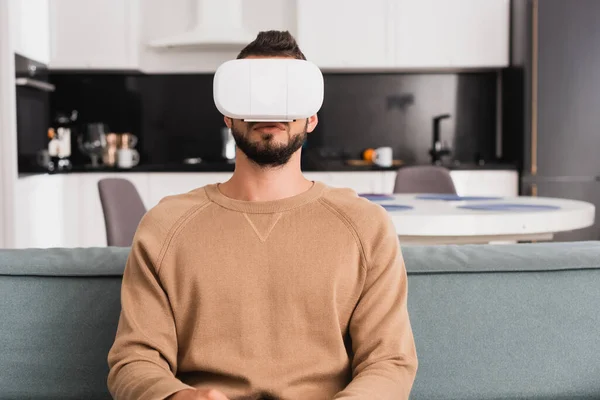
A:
(175, 118)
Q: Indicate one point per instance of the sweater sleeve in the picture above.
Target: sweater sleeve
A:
(384, 362)
(143, 358)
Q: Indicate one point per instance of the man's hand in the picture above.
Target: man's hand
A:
(190, 394)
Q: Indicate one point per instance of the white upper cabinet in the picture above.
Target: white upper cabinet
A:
(345, 34)
(404, 34)
(94, 34)
(451, 33)
(30, 30)
(182, 35)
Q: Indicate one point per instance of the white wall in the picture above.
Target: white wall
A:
(8, 124)
(160, 18)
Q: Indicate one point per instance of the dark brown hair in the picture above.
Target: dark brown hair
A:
(273, 43)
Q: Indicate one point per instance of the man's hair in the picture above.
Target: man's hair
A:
(273, 43)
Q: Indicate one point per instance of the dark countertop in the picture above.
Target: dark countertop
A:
(482, 167)
(320, 166)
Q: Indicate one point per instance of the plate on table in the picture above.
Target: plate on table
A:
(455, 197)
(396, 207)
(376, 196)
(510, 207)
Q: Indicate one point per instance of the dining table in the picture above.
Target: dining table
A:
(426, 218)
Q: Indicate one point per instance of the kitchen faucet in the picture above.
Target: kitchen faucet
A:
(438, 150)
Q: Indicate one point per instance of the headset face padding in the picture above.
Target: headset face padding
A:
(268, 89)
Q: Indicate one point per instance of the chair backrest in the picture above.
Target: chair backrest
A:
(123, 210)
(424, 179)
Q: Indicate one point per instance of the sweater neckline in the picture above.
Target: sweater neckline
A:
(264, 207)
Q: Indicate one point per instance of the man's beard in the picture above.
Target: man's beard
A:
(266, 152)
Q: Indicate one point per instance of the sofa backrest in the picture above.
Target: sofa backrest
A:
(59, 312)
(490, 322)
(506, 321)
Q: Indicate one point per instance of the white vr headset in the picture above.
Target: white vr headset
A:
(263, 89)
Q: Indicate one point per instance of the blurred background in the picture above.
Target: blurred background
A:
(501, 93)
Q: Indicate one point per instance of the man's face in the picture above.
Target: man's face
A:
(270, 144)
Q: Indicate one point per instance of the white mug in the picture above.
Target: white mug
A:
(127, 158)
(383, 156)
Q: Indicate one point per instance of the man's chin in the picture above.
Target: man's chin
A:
(268, 160)
(270, 145)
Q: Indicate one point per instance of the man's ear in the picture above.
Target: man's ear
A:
(228, 122)
(312, 123)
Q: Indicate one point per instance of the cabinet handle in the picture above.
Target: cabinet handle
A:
(34, 83)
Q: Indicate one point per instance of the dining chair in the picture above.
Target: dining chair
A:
(123, 210)
(424, 179)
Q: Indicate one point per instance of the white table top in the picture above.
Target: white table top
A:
(446, 218)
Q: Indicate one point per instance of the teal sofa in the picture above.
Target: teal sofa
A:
(490, 322)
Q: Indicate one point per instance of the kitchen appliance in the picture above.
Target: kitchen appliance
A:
(219, 23)
(92, 141)
(228, 144)
(560, 111)
(33, 111)
(59, 147)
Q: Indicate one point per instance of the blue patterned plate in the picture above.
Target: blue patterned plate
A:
(455, 197)
(510, 207)
(375, 196)
(396, 207)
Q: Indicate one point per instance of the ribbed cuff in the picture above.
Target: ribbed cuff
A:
(164, 389)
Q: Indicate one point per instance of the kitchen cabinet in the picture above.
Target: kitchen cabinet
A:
(404, 34)
(559, 117)
(29, 24)
(457, 33)
(64, 210)
(360, 182)
(94, 34)
(162, 185)
(39, 219)
(336, 34)
(339, 33)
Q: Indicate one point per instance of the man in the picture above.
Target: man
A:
(266, 286)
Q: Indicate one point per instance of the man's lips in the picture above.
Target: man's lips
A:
(269, 126)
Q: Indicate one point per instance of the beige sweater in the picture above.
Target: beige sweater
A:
(300, 298)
